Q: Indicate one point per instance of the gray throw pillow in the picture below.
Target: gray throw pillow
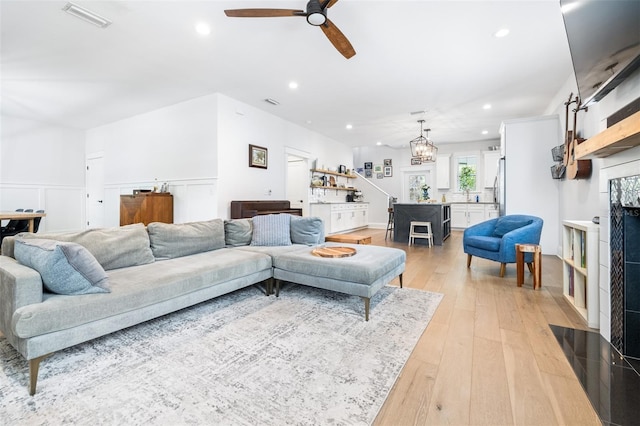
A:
(65, 268)
(237, 232)
(307, 230)
(176, 240)
(271, 230)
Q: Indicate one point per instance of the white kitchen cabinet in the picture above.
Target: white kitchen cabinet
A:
(443, 171)
(491, 211)
(340, 217)
(491, 159)
(464, 215)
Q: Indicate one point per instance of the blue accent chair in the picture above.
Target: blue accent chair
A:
(496, 239)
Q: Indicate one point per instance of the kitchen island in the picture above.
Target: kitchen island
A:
(439, 214)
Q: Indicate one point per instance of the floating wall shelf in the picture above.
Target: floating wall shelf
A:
(619, 137)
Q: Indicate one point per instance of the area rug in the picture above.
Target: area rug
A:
(307, 357)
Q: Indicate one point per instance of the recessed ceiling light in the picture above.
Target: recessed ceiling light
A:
(203, 29)
(503, 32)
(293, 85)
(378, 143)
(86, 15)
(349, 126)
(486, 106)
(485, 132)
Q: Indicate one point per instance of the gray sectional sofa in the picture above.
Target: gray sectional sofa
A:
(104, 280)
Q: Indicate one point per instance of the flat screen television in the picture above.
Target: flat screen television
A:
(604, 40)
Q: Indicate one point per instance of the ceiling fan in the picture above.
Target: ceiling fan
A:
(316, 15)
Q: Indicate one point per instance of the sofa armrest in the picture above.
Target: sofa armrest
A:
(19, 286)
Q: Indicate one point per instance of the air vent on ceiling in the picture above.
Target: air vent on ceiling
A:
(86, 15)
(272, 101)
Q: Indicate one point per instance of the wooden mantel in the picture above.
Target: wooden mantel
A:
(622, 135)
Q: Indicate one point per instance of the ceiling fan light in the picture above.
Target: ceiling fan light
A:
(316, 18)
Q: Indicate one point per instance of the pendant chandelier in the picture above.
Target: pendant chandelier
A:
(422, 148)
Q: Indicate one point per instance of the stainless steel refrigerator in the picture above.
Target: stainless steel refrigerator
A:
(499, 196)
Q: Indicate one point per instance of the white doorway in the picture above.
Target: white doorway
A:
(297, 181)
(94, 179)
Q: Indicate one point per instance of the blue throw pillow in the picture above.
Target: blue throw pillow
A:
(65, 268)
(505, 225)
(271, 230)
(307, 230)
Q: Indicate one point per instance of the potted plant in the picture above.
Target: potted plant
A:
(467, 180)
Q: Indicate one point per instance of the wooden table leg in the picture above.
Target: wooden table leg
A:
(519, 265)
(537, 267)
(31, 225)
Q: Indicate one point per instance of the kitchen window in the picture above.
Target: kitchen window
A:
(466, 173)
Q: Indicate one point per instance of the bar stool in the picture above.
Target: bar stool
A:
(535, 267)
(413, 233)
(389, 224)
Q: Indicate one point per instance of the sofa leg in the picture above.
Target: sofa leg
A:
(366, 308)
(277, 288)
(400, 280)
(34, 366)
(503, 268)
(468, 261)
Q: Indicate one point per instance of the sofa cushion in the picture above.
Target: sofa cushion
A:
(307, 230)
(237, 232)
(504, 225)
(271, 230)
(113, 248)
(483, 242)
(65, 268)
(170, 240)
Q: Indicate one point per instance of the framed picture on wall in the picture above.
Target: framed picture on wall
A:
(387, 161)
(368, 173)
(379, 175)
(368, 166)
(377, 168)
(257, 156)
(415, 161)
(388, 171)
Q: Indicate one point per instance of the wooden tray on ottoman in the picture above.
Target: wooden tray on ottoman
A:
(334, 252)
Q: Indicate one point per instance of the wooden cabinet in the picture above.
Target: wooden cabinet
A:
(580, 261)
(443, 171)
(146, 208)
(491, 211)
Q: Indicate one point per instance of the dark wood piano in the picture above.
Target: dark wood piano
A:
(244, 209)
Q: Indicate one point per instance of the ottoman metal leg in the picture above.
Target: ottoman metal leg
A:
(367, 302)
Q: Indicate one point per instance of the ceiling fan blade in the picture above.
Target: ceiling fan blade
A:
(338, 39)
(329, 3)
(263, 13)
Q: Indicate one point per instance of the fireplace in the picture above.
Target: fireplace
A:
(625, 264)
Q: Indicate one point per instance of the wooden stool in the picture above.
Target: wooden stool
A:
(535, 267)
(389, 224)
(414, 234)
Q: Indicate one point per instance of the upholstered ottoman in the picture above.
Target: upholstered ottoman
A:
(362, 274)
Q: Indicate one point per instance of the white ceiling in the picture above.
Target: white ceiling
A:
(436, 56)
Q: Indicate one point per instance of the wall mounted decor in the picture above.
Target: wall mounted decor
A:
(387, 161)
(368, 166)
(368, 173)
(379, 175)
(388, 171)
(377, 168)
(416, 161)
(257, 156)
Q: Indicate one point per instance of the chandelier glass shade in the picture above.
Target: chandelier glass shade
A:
(422, 148)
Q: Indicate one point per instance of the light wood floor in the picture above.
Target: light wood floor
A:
(488, 356)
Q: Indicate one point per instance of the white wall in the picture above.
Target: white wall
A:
(241, 125)
(176, 144)
(42, 167)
